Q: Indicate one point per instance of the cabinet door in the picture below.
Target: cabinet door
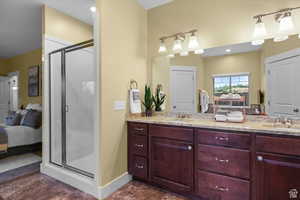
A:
(172, 164)
(277, 177)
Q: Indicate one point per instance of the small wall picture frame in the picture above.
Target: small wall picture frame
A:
(33, 81)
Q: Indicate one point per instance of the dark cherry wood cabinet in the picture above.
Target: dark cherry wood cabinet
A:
(171, 164)
(213, 164)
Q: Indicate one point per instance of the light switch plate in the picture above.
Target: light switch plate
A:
(119, 105)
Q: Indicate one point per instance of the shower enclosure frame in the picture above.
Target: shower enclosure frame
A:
(64, 107)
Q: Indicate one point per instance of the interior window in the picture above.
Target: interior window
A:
(235, 84)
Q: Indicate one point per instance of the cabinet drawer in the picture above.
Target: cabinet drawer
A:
(217, 187)
(137, 128)
(138, 145)
(139, 167)
(223, 138)
(177, 133)
(233, 162)
(273, 144)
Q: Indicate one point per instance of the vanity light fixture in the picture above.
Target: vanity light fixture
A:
(162, 46)
(286, 26)
(260, 32)
(180, 39)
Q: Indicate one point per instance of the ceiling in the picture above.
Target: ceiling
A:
(148, 4)
(235, 48)
(21, 22)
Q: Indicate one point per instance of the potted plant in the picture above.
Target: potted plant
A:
(148, 101)
(158, 99)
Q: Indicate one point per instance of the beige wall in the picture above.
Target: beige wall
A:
(236, 63)
(3, 66)
(21, 63)
(123, 35)
(64, 27)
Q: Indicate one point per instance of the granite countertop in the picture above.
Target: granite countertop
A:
(248, 126)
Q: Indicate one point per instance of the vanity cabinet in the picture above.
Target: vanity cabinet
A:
(277, 168)
(214, 164)
(172, 157)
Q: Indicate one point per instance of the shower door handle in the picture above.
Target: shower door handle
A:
(67, 108)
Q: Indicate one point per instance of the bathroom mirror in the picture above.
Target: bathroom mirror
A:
(237, 75)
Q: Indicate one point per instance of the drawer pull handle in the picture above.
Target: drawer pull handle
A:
(222, 189)
(139, 166)
(222, 138)
(139, 129)
(139, 145)
(189, 148)
(260, 158)
(222, 161)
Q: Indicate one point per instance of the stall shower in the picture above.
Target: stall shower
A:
(72, 108)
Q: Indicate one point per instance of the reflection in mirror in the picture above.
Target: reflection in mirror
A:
(232, 76)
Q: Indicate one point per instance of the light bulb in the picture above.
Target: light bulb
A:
(260, 32)
(228, 50)
(286, 26)
(184, 53)
(93, 9)
(193, 42)
(162, 47)
(177, 45)
(199, 51)
(171, 55)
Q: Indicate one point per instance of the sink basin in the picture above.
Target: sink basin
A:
(179, 120)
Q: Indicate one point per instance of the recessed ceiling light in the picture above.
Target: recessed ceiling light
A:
(228, 50)
(93, 9)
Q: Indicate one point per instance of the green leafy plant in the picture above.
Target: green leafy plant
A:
(158, 99)
(148, 101)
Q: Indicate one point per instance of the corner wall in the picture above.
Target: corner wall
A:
(123, 39)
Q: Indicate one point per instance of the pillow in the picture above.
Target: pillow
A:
(13, 119)
(32, 118)
(37, 107)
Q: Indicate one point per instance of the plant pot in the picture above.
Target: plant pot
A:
(148, 113)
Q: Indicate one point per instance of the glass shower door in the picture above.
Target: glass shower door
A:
(80, 110)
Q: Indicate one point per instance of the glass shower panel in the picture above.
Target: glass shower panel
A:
(80, 109)
(56, 109)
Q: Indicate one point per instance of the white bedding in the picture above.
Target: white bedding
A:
(23, 135)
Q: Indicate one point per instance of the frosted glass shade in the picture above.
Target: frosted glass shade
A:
(177, 45)
(193, 43)
(162, 47)
(199, 51)
(260, 33)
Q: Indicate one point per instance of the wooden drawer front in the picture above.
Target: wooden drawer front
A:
(217, 187)
(233, 162)
(139, 167)
(138, 145)
(273, 144)
(137, 128)
(177, 133)
(224, 139)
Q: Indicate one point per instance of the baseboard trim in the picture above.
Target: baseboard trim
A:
(114, 185)
(80, 182)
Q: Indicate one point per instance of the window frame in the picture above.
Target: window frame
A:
(230, 82)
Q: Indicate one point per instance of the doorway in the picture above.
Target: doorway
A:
(183, 89)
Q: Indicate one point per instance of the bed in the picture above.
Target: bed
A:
(19, 139)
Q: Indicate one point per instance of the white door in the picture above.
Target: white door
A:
(183, 89)
(283, 92)
(4, 98)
